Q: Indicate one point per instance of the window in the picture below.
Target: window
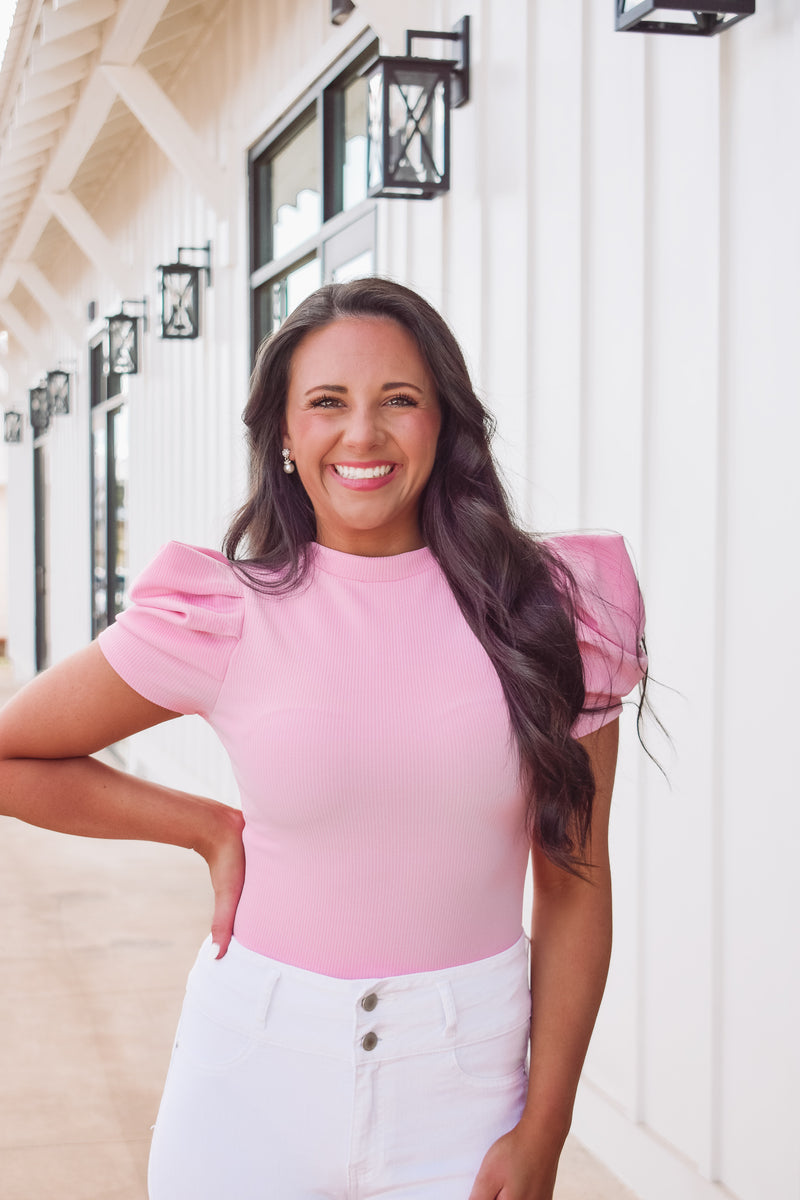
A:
(110, 460)
(311, 221)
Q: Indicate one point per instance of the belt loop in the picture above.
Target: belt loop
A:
(448, 1007)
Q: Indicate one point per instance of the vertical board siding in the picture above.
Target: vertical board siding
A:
(555, 217)
(761, 817)
(618, 256)
(682, 387)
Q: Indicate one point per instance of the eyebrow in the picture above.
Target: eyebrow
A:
(335, 387)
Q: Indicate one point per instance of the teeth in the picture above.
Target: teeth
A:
(362, 472)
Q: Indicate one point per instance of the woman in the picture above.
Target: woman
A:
(415, 695)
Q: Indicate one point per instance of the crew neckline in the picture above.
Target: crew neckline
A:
(372, 569)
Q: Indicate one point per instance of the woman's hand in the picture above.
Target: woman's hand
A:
(225, 857)
(513, 1169)
(48, 732)
(570, 948)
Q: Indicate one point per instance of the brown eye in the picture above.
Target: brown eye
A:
(325, 402)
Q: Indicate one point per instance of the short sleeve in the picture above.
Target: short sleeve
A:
(175, 641)
(610, 623)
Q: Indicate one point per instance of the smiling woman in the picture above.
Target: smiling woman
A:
(364, 446)
(417, 696)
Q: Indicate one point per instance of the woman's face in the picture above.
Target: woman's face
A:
(362, 419)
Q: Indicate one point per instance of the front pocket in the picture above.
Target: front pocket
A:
(494, 1060)
(209, 1044)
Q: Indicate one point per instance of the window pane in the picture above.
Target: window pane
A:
(296, 204)
(294, 287)
(354, 167)
(354, 268)
(99, 528)
(119, 501)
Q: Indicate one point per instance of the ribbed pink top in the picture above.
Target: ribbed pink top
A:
(371, 743)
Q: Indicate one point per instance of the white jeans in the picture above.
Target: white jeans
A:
(287, 1085)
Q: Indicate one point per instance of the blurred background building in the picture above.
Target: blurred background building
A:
(618, 251)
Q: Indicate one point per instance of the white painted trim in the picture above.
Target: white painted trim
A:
(131, 31)
(45, 57)
(88, 119)
(654, 1169)
(336, 46)
(50, 300)
(87, 234)
(170, 130)
(62, 22)
(17, 325)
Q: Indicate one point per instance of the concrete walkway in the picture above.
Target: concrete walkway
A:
(97, 940)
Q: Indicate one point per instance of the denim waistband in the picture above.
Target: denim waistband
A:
(381, 1017)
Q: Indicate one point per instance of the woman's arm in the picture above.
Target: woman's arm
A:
(47, 732)
(570, 950)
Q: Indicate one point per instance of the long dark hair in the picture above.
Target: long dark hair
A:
(516, 596)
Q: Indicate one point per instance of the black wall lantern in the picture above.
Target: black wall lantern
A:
(12, 426)
(39, 409)
(180, 293)
(58, 392)
(409, 102)
(678, 16)
(123, 339)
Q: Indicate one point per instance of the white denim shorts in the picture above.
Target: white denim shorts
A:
(288, 1085)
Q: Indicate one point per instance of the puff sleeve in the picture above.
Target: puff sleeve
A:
(175, 641)
(610, 623)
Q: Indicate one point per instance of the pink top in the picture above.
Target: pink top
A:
(371, 743)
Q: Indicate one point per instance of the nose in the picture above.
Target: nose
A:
(364, 429)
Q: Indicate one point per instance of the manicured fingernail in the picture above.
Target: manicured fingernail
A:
(214, 950)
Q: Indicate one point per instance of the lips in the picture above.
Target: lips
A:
(347, 471)
(363, 477)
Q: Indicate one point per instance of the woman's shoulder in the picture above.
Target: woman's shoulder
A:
(604, 576)
(179, 564)
(609, 620)
(192, 587)
(174, 641)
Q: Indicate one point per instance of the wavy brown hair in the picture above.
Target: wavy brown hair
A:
(518, 598)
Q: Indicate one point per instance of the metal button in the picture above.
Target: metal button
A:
(369, 1040)
(369, 1002)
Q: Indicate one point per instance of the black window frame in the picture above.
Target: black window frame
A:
(324, 100)
(107, 395)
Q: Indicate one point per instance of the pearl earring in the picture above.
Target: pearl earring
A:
(288, 465)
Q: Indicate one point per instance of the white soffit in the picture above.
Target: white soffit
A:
(64, 131)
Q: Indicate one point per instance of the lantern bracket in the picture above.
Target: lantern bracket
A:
(141, 315)
(206, 266)
(459, 74)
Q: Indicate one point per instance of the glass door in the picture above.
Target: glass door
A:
(110, 475)
(40, 551)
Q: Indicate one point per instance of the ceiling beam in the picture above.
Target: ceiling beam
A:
(88, 119)
(87, 234)
(33, 110)
(26, 168)
(53, 54)
(62, 22)
(50, 301)
(170, 130)
(43, 83)
(19, 328)
(131, 31)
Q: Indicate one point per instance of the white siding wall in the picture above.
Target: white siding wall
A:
(619, 255)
